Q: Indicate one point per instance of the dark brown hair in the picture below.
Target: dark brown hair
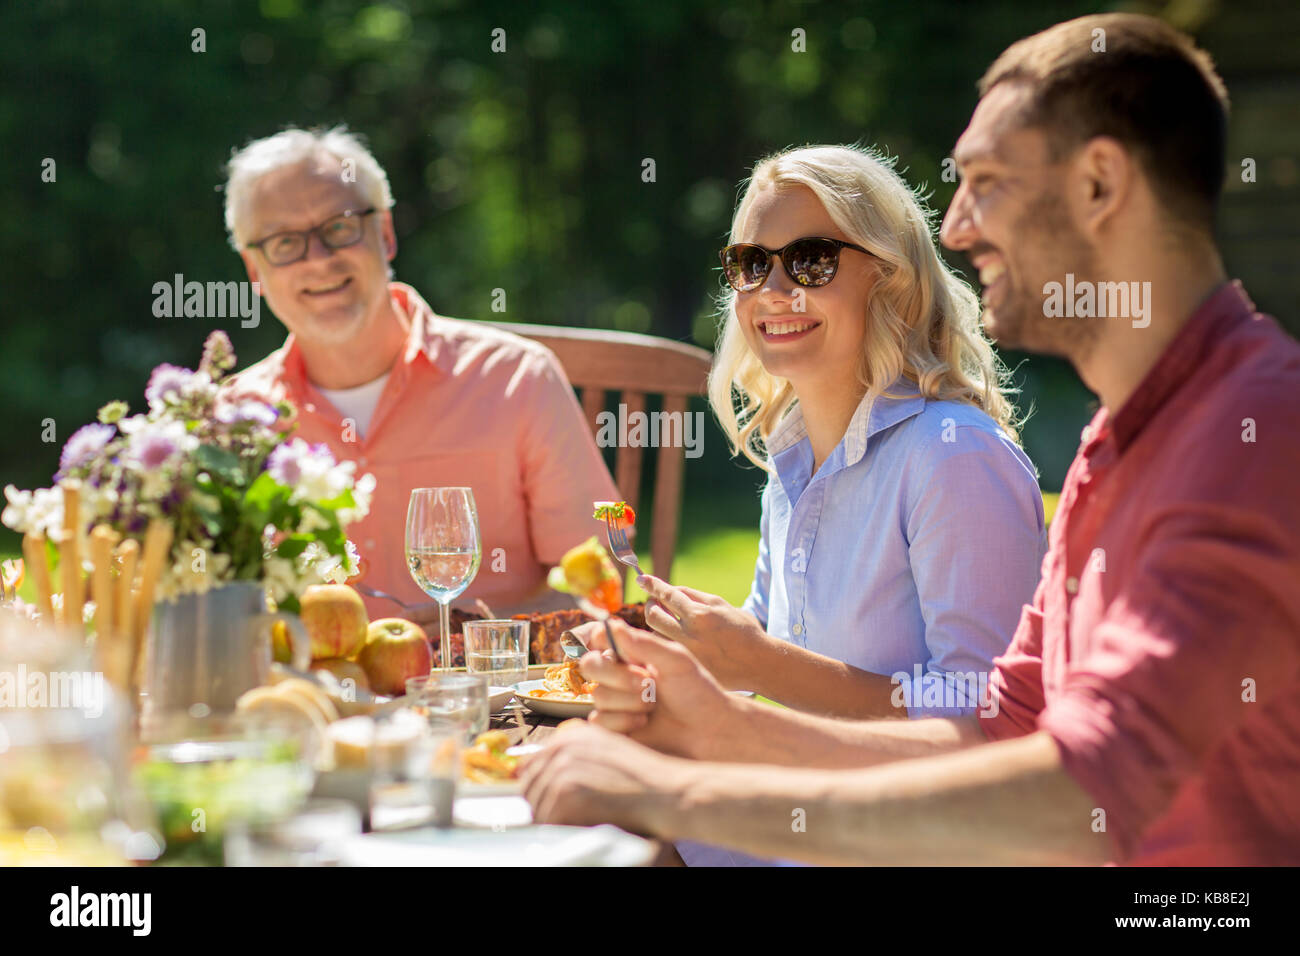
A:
(1150, 88)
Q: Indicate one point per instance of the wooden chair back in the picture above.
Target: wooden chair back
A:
(597, 361)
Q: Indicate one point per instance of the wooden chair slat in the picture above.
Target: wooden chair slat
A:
(593, 403)
(627, 468)
(599, 360)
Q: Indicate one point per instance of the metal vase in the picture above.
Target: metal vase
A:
(208, 649)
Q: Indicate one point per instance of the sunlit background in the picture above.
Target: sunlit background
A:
(521, 171)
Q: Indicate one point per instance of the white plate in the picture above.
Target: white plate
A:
(548, 706)
(517, 846)
(498, 697)
(492, 813)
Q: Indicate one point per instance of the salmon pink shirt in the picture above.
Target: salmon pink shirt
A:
(1162, 648)
(464, 405)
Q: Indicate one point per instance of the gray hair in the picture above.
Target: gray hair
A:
(287, 148)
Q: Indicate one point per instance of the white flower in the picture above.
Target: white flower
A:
(310, 470)
(362, 493)
(312, 520)
(40, 511)
(280, 577)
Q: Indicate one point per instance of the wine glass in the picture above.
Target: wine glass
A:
(443, 549)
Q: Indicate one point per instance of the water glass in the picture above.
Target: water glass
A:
(498, 650)
(310, 837)
(415, 784)
(458, 697)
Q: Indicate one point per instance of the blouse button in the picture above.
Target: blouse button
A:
(797, 630)
(1072, 585)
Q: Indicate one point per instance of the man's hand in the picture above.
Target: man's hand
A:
(587, 776)
(726, 640)
(659, 695)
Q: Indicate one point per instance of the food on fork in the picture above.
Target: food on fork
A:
(620, 511)
(589, 572)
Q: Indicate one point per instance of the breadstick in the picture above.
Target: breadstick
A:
(111, 651)
(74, 595)
(102, 539)
(39, 568)
(129, 553)
(157, 545)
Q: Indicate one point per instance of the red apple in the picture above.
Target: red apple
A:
(335, 618)
(395, 649)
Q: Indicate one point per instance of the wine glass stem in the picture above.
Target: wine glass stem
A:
(445, 621)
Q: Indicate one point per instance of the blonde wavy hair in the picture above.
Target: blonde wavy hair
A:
(922, 320)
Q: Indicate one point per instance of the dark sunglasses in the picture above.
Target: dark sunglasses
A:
(810, 261)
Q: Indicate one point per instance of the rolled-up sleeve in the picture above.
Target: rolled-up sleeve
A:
(975, 543)
(1199, 638)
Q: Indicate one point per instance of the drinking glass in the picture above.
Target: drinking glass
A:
(309, 837)
(443, 550)
(460, 697)
(414, 782)
(498, 650)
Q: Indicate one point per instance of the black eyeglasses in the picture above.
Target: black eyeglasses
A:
(337, 232)
(810, 261)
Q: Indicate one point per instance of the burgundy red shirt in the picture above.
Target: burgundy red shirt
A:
(1162, 648)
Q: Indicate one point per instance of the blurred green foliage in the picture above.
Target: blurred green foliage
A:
(519, 170)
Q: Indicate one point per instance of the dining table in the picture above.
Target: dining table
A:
(537, 728)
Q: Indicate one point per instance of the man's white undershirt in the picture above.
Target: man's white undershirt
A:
(357, 403)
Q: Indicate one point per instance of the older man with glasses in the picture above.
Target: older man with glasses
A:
(414, 398)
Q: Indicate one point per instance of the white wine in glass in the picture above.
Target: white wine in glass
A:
(443, 549)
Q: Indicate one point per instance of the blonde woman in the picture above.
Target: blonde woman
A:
(902, 525)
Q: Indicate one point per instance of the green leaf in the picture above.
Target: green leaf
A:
(221, 463)
(263, 497)
(293, 545)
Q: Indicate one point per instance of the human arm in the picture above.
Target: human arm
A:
(1001, 803)
(663, 697)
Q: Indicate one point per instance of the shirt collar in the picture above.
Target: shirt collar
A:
(899, 402)
(425, 342)
(1227, 306)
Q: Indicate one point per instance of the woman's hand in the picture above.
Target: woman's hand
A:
(726, 640)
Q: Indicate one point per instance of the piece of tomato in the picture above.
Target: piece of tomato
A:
(609, 595)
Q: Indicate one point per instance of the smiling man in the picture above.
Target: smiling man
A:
(414, 398)
(1149, 701)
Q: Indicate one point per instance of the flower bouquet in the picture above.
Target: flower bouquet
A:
(205, 488)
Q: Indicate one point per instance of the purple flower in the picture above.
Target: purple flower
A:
(155, 444)
(167, 382)
(286, 463)
(86, 442)
(249, 410)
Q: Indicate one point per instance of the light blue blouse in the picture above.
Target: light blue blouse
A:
(909, 553)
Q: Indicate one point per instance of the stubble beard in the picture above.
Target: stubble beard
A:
(1019, 321)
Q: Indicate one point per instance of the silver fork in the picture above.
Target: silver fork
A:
(382, 595)
(619, 546)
